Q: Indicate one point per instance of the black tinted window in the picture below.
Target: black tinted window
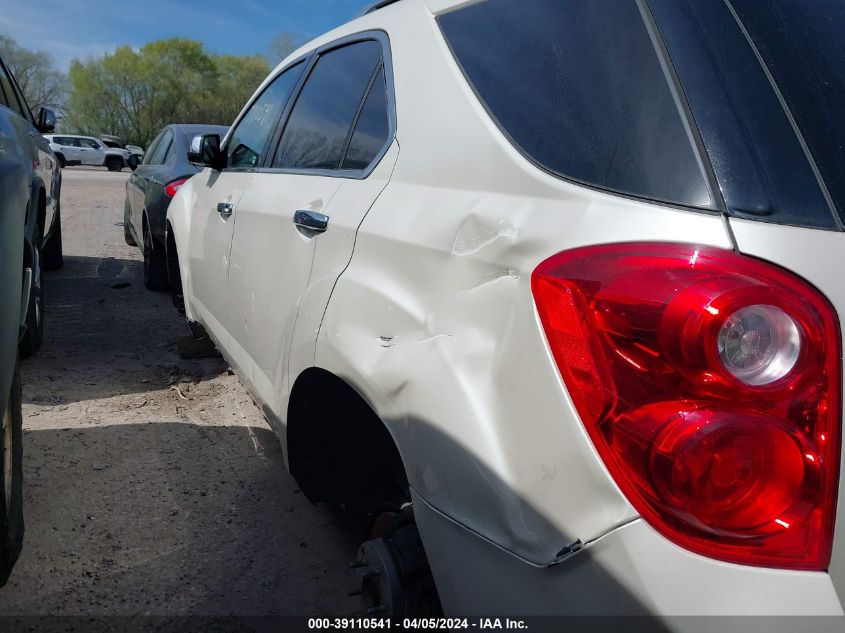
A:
(371, 129)
(578, 86)
(157, 154)
(250, 137)
(8, 96)
(5, 88)
(803, 46)
(153, 148)
(319, 124)
(762, 169)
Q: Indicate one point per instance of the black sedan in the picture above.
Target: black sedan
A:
(30, 236)
(150, 188)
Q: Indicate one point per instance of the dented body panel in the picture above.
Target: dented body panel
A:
(419, 297)
(472, 218)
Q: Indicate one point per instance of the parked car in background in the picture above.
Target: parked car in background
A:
(558, 282)
(29, 191)
(43, 242)
(87, 150)
(136, 154)
(150, 189)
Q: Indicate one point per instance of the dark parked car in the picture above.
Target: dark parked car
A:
(29, 202)
(43, 230)
(164, 170)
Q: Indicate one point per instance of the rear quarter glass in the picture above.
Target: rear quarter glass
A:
(578, 87)
(756, 153)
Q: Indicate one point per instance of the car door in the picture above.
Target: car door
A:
(134, 186)
(91, 152)
(70, 148)
(215, 214)
(283, 215)
(146, 176)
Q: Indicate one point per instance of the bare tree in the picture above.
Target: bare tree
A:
(40, 82)
(281, 46)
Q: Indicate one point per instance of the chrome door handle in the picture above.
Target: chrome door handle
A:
(311, 221)
(225, 209)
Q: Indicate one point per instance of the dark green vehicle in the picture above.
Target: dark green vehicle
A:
(30, 237)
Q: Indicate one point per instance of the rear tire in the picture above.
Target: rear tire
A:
(155, 266)
(62, 161)
(174, 273)
(113, 163)
(127, 234)
(11, 481)
(34, 335)
(52, 253)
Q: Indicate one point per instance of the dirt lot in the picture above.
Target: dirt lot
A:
(152, 484)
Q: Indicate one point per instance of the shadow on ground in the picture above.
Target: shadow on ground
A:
(106, 335)
(129, 521)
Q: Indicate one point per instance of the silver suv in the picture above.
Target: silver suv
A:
(87, 150)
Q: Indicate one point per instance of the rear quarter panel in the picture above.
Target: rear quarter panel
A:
(434, 320)
(178, 223)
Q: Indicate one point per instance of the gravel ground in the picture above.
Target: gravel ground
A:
(153, 485)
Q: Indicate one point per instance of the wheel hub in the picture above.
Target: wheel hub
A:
(395, 577)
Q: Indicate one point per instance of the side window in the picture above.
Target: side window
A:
(5, 87)
(318, 127)
(170, 153)
(372, 128)
(25, 111)
(578, 87)
(153, 148)
(8, 96)
(160, 151)
(89, 143)
(250, 137)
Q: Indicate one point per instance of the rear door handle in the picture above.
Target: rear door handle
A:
(311, 221)
(225, 209)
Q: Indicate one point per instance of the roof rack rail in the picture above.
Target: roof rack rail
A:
(378, 5)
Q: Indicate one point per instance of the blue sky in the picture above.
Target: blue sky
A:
(69, 29)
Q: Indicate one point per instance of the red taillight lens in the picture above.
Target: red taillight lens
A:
(709, 383)
(172, 187)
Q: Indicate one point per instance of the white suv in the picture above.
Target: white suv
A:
(87, 150)
(556, 281)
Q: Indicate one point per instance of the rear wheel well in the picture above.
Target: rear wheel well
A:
(28, 258)
(41, 216)
(339, 450)
(174, 275)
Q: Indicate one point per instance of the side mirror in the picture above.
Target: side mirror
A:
(46, 121)
(205, 151)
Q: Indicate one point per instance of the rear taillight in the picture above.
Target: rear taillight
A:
(172, 187)
(709, 383)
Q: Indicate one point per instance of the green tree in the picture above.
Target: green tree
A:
(237, 78)
(281, 46)
(133, 94)
(40, 82)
